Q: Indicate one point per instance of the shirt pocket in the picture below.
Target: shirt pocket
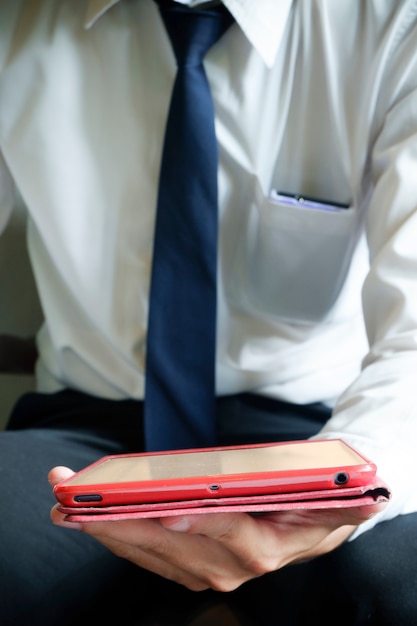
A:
(292, 261)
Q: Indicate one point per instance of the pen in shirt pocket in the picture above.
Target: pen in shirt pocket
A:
(307, 202)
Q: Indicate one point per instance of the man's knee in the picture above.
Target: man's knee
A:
(380, 570)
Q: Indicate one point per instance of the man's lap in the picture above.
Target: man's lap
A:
(47, 573)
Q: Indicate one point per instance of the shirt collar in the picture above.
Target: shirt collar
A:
(263, 21)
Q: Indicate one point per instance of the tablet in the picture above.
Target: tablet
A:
(270, 468)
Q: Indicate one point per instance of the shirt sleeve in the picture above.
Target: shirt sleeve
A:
(378, 413)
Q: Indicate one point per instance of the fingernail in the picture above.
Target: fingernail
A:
(180, 524)
(74, 525)
(65, 523)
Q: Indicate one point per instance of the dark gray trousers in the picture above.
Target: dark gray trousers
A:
(53, 576)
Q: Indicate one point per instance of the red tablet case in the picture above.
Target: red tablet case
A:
(372, 493)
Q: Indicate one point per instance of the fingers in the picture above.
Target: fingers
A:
(268, 542)
(59, 473)
(60, 519)
(55, 475)
(141, 542)
(197, 560)
(251, 541)
(217, 550)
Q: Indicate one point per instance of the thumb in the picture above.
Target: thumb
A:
(58, 473)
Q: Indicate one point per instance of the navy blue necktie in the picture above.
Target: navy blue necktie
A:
(180, 359)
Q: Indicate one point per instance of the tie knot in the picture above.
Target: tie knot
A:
(193, 31)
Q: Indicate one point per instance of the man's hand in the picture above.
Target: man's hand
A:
(221, 551)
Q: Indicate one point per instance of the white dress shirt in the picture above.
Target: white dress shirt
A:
(311, 97)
